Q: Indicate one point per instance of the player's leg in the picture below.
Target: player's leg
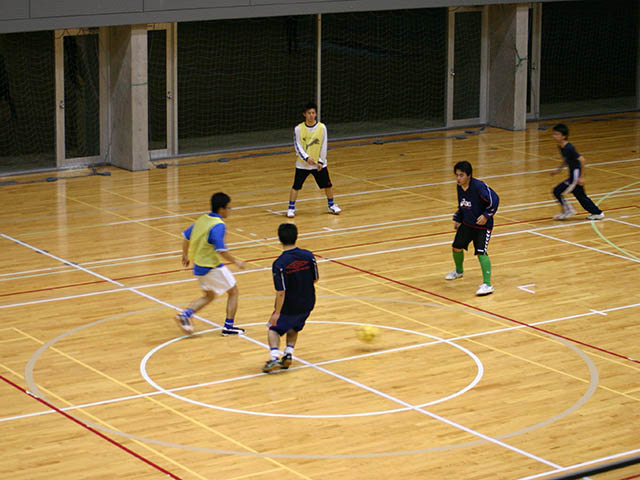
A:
(587, 203)
(296, 324)
(324, 182)
(481, 243)
(184, 318)
(273, 337)
(460, 244)
(232, 308)
(298, 180)
(559, 192)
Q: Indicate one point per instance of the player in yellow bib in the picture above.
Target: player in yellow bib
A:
(204, 246)
(310, 142)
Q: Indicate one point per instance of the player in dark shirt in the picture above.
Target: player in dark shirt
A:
(575, 183)
(294, 274)
(473, 221)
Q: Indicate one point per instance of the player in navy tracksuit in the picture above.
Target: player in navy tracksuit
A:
(294, 274)
(575, 183)
(473, 221)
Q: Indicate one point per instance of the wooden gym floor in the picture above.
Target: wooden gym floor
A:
(539, 378)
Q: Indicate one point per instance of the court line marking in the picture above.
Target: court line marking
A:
(585, 246)
(322, 369)
(91, 429)
(353, 357)
(583, 464)
(367, 192)
(173, 282)
(526, 287)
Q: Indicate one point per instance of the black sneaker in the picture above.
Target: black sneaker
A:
(184, 322)
(226, 331)
(285, 361)
(271, 365)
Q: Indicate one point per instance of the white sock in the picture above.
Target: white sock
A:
(275, 354)
(288, 349)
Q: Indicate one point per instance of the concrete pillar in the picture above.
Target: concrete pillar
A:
(129, 140)
(508, 37)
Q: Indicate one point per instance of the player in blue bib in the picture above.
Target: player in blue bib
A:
(473, 221)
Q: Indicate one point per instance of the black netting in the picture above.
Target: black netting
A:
(27, 101)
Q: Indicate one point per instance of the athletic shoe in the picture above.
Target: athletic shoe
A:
(335, 209)
(285, 361)
(271, 365)
(596, 216)
(453, 275)
(291, 213)
(569, 212)
(226, 331)
(484, 289)
(184, 323)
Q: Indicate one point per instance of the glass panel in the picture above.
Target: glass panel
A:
(243, 83)
(157, 93)
(81, 96)
(589, 57)
(384, 72)
(27, 101)
(467, 65)
(529, 59)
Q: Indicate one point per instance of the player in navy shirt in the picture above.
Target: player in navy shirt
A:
(294, 274)
(473, 221)
(575, 183)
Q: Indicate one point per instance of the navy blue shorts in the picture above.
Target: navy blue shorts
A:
(290, 322)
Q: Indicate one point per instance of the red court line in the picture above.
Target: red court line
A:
(549, 332)
(629, 478)
(91, 429)
(356, 245)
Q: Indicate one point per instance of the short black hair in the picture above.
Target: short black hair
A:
(288, 233)
(219, 200)
(562, 128)
(463, 166)
(309, 106)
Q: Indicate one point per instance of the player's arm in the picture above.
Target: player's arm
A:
(583, 162)
(322, 161)
(457, 219)
(186, 236)
(316, 274)
(300, 151)
(216, 238)
(492, 200)
(278, 284)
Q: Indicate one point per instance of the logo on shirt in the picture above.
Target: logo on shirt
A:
(297, 266)
(312, 142)
(464, 203)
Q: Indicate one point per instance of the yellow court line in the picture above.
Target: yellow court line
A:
(249, 475)
(167, 407)
(145, 204)
(12, 340)
(398, 189)
(524, 330)
(119, 216)
(634, 390)
(112, 427)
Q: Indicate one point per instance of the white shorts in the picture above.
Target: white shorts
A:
(219, 280)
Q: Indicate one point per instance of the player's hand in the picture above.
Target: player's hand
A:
(456, 225)
(580, 180)
(556, 170)
(273, 319)
(240, 264)
(311, 161)
(481, 220)
(319, 166)
(185, 261)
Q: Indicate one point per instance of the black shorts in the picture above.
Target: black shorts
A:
(290, 322)
(322, 177)
(479, 236)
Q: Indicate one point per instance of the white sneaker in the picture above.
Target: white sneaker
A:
(453, 275)
(596, 216)
(484, 289)
(564, 215)
(291, 213)
(335, 209)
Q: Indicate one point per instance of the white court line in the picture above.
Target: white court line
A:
(584, 246)
(322, 260)
(325, 362)
(348, 380)
(308, 235)
(584, 464)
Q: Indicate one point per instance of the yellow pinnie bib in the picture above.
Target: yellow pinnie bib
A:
(201, 252)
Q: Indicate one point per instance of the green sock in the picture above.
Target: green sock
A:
(458, 258)
(485, 265)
